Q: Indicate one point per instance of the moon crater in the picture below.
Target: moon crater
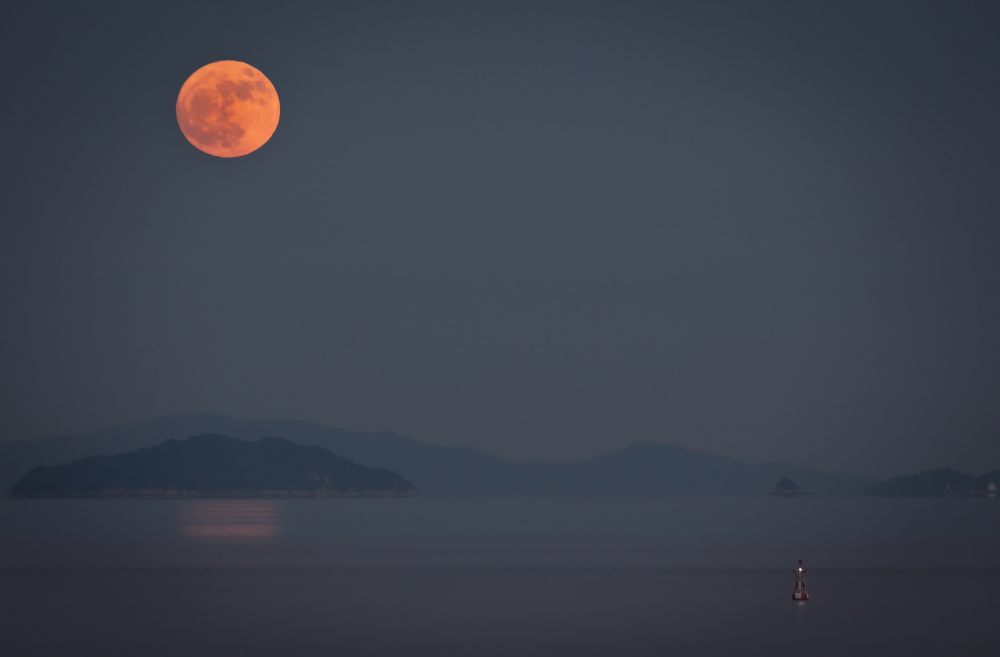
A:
(228, 109)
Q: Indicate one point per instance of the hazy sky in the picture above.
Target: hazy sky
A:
(766, 230)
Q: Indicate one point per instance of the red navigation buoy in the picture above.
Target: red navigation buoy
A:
(800, 592)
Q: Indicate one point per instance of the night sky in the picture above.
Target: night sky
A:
(766, 230)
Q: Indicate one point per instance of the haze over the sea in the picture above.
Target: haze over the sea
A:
(764, 230)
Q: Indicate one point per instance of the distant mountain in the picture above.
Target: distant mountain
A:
(434, 469)
(934, 483)
(647, 469)
(437, 470)
(214, 466)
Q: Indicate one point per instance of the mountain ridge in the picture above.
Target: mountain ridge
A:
(213, 465)
(642, 468)
(940, 482)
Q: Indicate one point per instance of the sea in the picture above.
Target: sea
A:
(441, 576)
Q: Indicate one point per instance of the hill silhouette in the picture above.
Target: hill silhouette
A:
(934, 483)
(642, 468)
(213, 466)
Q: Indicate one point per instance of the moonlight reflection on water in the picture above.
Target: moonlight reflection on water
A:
(229, 519)
(497, 576)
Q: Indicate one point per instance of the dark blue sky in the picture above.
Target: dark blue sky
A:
(766, 230)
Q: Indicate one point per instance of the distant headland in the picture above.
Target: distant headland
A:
(213, 466)
(943, 482)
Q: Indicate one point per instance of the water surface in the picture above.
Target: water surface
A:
(498, 576)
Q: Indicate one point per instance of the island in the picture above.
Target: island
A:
(786, 488)
(213, 466)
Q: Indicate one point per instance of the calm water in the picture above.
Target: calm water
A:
(461, 577)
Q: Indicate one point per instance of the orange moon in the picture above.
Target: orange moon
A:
(228, 109)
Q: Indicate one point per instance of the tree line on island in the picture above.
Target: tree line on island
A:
(324, 462)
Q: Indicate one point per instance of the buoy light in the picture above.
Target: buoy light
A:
(800, 592)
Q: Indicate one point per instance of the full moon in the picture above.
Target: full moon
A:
(227, 109)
